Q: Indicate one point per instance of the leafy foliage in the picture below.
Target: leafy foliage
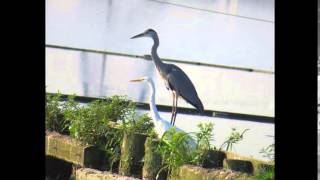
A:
(175, 150)
(95, 124)
(90, 123)
(203, 138)
(53, 113)
(268, 152)
(139, 124)
(112, 146)
(234, 138)
(54, 110)
(265, 174)
(205, 135)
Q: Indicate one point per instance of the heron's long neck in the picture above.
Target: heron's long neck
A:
(154, 53)
(153, 107)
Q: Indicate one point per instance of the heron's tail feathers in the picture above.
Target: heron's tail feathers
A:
(196, 102)
(199, 106)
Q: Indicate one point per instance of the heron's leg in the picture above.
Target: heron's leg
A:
(172, 112)
(175, 109)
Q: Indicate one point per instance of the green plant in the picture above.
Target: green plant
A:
(265, 174)
(268, 152)
(131, 124)
(138, 124)
(234, 138)
(175, 150)
(116, 108)
(203, 145)
(55, 109)
(84, 126)
(90, 123)
(112, 147)
(95, 124)
(203, 138)
(53, 113)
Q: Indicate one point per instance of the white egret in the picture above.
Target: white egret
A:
(160, 125)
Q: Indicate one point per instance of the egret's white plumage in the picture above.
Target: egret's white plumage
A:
(160, 125)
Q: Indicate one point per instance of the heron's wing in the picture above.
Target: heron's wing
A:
(180, 82)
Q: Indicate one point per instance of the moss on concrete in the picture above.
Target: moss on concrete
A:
(213, 159)
(190, 172)
(65, 148)
(257, 164)
(152, 160)
(92, 174)
(239, 165)
(132, 152)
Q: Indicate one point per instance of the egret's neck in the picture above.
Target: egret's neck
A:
(154, 53)
(153, 107)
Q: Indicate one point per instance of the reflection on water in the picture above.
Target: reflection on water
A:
(184, 33)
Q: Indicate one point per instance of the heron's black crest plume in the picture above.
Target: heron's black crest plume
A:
(150, 30)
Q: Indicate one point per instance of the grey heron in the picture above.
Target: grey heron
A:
(175, 78)
(160, 125)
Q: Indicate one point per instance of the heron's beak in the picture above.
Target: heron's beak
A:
(137, 36)
(136, 80)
